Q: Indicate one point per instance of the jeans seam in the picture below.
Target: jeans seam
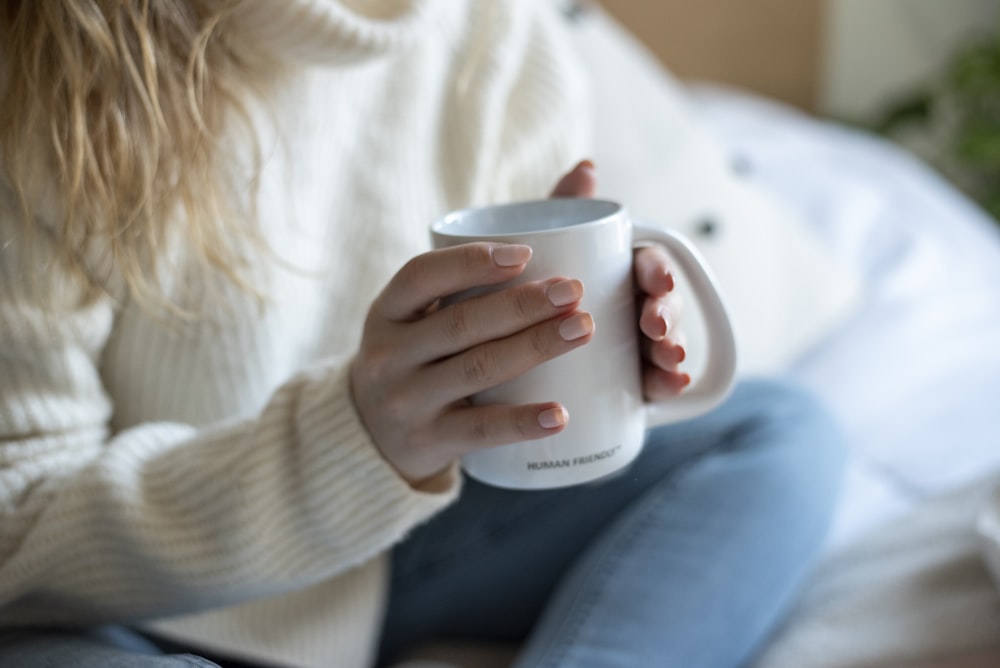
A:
(195, 660)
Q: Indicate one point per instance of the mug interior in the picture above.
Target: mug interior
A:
(525, 217)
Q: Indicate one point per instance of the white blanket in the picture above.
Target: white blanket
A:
(914, 374)
(914, 589)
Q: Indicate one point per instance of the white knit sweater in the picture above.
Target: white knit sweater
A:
(149, 470)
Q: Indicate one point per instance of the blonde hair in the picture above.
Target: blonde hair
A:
(122, 104)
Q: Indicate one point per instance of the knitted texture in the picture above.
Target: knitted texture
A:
(213, 477)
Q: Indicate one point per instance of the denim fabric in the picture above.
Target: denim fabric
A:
(689, 558)
(105, 647)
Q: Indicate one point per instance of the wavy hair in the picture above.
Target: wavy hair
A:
(122, 105)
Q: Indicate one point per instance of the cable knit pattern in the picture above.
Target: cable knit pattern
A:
(213, 478)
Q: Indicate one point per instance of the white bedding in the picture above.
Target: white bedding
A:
(914, 374)
(909, 361)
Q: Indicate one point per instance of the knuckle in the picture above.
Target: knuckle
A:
(397, 407)
(456, 324)
(480, 428)
(541, 342)
(654, 256)
(478, 366)
(525, 425)
(377, 362)
(475, 256)
(413, 272)
(523, 303)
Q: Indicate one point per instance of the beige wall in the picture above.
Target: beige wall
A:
(842, 57)
(878, 50)
(772, 46)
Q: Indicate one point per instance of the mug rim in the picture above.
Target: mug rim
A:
(454, 219)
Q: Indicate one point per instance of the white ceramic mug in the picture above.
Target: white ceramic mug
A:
(600, 384)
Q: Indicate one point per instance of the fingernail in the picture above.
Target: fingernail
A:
(670, 281)
(681, 354)
(511, 255)
(553, 417)
(564, 293)
(662, 326)
(588, 163)
(576, 326)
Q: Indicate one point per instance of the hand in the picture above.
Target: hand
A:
(419, 361)
(659, 316)
(662, 342)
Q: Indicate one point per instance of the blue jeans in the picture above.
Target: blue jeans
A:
(687, 559)
(103, 647)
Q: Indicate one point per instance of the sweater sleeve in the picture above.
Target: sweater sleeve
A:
(167, 518)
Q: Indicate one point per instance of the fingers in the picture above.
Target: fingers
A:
(424, 420)
(418, 360)
(662, 377)
(659, 384)
(658, 317)
(477, 320)
(581, 181)
(489, 364)
(661, 310)
(445, 271)
(473, 427)
(666, 353)
(652, 271)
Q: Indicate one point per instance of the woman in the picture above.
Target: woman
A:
(217, 424)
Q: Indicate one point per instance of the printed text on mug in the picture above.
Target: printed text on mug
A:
(574, 461)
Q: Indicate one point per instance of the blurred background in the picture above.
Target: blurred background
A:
(924, 72)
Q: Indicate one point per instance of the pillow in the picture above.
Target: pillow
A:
(785, 292)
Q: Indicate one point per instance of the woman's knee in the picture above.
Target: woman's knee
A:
(790, 414)
(772, 419)
(808, 443)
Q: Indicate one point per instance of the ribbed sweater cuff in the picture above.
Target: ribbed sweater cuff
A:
(346, 463)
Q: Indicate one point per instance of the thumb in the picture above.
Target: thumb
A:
(581, 181)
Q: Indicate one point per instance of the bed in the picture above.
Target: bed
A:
(894, 321)
(913, 375)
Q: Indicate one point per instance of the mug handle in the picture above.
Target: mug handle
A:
(716, 381)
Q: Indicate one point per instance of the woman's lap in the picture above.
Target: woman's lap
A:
(693, 552)
(498, 563)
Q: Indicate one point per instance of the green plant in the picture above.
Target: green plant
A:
(961, 113)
